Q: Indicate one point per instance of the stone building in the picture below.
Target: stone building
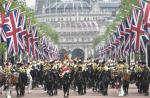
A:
(77, 22)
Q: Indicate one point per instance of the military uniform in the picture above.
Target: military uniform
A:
(119, 69)
(7, 89)
(28, 70)
(7, 70)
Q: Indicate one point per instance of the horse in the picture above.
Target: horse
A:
(138, 81)
(49, 81)
(21, 83)
(56, 81)
(104, 78)
(80, 82)
(95, 80)
(145, 82)
(66, 84)
(7, 86)
(90, 75)
(119, 84)
(34, 74)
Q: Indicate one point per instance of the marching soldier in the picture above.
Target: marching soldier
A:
(139, 70)
(7, 85)
(28, 70)
(145, 80)
(7, 68)
(22, 80)
(119, 68)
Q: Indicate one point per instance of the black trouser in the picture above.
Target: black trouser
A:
(17, 89)
(55, 88)
(125, 86)
(138, 84)
(80, 88)
(145, 87)
(20, 89)
(49, 86)
(66, 89)
(104, 88)
(84, 88)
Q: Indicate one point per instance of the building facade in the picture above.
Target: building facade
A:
(77, 22)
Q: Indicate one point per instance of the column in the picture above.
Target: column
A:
(85, 53)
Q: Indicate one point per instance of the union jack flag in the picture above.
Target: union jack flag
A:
(7, 6)
(44, 43)
(141, 3)
(2, 33)
(116, 38)
(127, 44)
(26, 35)
(22, 21)
(137, 27)
(143, 42)
(114, 45)
(122, 45)
(121, 29)
(145, 6)
(127, 24)
(129, 34)
(22, 25)
(44, 47)
(34, 43)
(49, 48)
(13, 32)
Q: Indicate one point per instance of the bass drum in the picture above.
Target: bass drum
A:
(14, 79)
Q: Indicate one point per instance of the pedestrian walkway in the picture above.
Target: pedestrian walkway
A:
(112, 93)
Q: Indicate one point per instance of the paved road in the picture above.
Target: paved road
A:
(40, 93)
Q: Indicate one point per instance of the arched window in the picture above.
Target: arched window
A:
(58, 19)
(93, 18)
(88, 18)
(66, 19)
(64, 40)
(82, 39)
(61, 19)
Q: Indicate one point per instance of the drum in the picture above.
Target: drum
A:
(126, 77)
(14, 79)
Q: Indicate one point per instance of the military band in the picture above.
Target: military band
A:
(79, 75)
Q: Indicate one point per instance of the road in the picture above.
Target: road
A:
(112, 93)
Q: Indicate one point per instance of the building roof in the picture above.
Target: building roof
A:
(109, 4)
(69, 5)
